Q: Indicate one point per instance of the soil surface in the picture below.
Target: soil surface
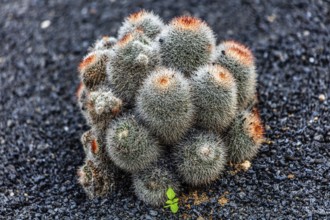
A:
(42, 43)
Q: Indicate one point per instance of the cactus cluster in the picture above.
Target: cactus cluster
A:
(166, 105)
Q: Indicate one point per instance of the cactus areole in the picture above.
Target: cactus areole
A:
(167, 105)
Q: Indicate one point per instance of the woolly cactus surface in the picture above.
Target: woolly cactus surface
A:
(165, 90)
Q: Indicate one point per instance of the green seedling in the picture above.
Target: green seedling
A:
(172, 202)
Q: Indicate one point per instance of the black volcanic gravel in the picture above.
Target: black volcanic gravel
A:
(40, 123)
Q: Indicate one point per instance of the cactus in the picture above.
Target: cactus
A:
(93, 69)
(164, 100)
(239, 60)
(186, 44)
(133, 57)
(130, 145)
(151, 184)
(102, 107)
(244, 136)
(98, 174)
(95, 180)
(201, 158)
(105, 102)
(164, 104)
(147, 22)
(215, 97)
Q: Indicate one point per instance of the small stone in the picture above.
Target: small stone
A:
(291, 176)
(153, 213)
(322, 97)
(148, 217)
(241, 195)
(2, 60)
(45, 24)
(10, 123)
(271, 18)
(322, 212)
(318, 137)
(223, 201)
(245, 165)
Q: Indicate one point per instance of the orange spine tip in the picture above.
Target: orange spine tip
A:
(94, 147)
(187, 22)
(256, 128)
(242, 56)
(88, 60)
(233, 43)
(125, 40)
(240, 52)
(222, 75)
(163, 81)
(136, 16)
(259, 131)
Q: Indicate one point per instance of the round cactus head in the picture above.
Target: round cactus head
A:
(244, 137)
(133, 57)
(95, 180)
(164, 104)
(186, 44)
(214, 95)
(93, 69)
(151, 184)
(130, 145)
(239, 60)
(200, 159)
(148, 22)
(237, 52)
(101, 107)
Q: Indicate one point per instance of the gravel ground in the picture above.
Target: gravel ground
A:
(40, 124)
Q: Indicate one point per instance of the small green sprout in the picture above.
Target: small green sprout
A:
(172, 202)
